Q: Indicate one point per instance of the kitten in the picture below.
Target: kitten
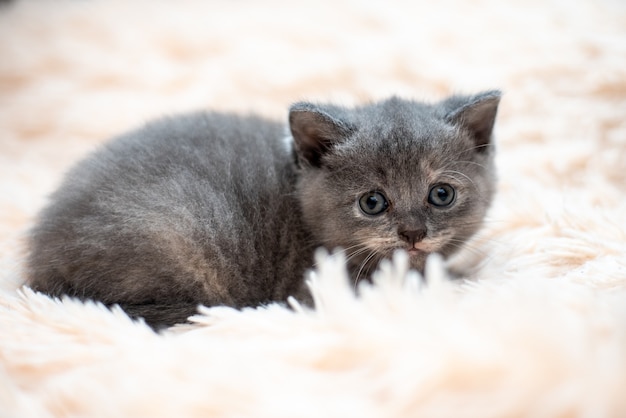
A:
(211, 208)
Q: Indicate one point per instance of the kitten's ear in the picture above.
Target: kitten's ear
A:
(475, 113)
(314, 131)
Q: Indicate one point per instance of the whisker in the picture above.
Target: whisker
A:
(452, 158)
(361, 245)
(348, 253)
(461, 245)
(363, 264)
(472, 162)
(461, 174)
(484, 256)
(473, 148)
(447, 174)
(357, 253)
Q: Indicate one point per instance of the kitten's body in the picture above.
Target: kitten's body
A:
(213, 209)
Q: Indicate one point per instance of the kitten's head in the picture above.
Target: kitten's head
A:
(395, 174)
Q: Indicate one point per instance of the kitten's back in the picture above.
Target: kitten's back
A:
(175, 214)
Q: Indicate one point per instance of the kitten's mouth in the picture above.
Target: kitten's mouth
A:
(413, 251)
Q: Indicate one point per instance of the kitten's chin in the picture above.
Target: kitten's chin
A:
(417, 259)
(363, 265)
(363, 268)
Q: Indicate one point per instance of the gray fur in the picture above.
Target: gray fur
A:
(211, 208)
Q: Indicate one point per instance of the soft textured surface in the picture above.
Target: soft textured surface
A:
(538, 330)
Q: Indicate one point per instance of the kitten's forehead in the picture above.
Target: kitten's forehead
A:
(400, 145)
(407, 126)
(398, 114)
(403, 145)
(402, 135)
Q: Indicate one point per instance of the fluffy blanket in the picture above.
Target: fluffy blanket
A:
(537, 327)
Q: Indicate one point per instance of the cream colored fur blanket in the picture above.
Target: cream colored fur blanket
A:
(537, 329)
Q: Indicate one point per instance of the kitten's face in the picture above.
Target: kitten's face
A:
(401, 177)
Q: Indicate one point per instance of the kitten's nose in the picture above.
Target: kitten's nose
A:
(412, 236)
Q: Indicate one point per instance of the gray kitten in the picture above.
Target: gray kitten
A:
(214, 209)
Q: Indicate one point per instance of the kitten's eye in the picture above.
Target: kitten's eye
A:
(373, 203)
(441, 195)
